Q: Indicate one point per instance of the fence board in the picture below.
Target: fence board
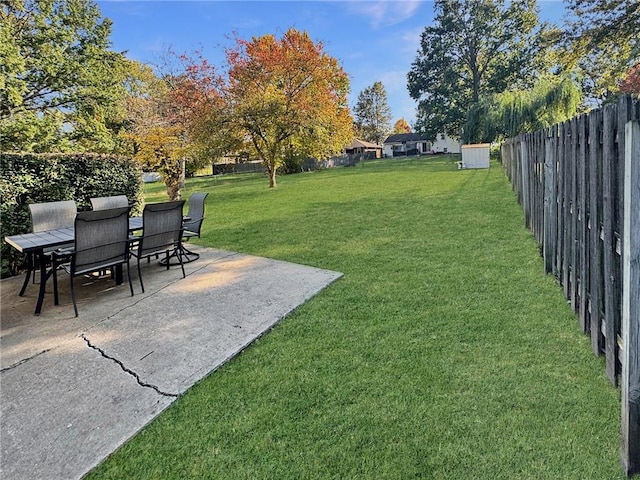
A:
(550, 203)
(573, 240)
(595, 247)
(630, 405)
(583, 236)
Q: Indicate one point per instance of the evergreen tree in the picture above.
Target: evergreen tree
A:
(372, 114)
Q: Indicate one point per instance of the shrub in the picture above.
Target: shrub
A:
(34, 178)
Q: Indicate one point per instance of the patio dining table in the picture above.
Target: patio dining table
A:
(39, 242)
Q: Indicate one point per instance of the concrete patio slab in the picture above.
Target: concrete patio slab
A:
(74, 389)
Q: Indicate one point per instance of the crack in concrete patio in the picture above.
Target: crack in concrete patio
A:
(127, 370)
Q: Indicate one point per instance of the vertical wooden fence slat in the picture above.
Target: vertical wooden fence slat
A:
(566, 215)
(560, 200)
(631, 304)
(583, 237)
(550, 203)
(609, 160)
(573, 245)
(524, 161)
(595, 215)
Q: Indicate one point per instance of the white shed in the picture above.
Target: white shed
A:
(475, 155)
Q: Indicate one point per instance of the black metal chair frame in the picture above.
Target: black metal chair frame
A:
(104, 203)
(193, 226)
(47, 216)
(161, 233)
(101, 243)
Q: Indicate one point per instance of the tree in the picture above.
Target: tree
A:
(201, 95)
(474, 48)
(401, 126)
(510, 113)
(373, 115)
(288, 95)
(601, 44)
(631, 82)
(60, 84)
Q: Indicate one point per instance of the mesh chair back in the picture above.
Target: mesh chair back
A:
(196, 212)
(101, 240)
(162, 227)
(104, 203)
(52, 215)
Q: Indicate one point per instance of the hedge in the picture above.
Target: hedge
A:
(34, 178)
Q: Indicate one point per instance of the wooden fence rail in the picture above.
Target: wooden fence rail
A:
(570, 181)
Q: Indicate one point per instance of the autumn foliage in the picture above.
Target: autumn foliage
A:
(289, 97)
(401, 126)
(631, 83)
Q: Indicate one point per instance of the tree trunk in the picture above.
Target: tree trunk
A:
(272, 178)
(173, 191)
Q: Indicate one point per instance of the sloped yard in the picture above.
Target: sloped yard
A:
(443, 352)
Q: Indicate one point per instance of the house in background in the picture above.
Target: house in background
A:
(445, 144)
(406, 144)
(358, 147)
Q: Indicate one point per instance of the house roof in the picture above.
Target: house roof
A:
(406, 137)
(355, 143)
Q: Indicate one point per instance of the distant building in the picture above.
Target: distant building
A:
(445, 144)
(357, 147)
(406, 144)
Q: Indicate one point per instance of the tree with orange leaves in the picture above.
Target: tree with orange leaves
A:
(401, 126)
(631, 83)
(288, 95)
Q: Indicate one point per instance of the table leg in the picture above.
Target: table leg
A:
(29, 273)
(43, 284)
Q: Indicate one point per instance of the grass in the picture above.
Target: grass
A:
(444, 352)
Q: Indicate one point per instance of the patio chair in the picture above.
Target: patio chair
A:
(47, 216)
(103, 203)
(161, 233)
(101, 243)
(194, 224)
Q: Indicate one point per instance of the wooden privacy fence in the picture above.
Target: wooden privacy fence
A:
(579, 185)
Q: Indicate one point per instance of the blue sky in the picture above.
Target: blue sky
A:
(373, 40)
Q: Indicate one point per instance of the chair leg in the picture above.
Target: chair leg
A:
(140, 274)
(129, 276)
(73, 295)
(179, 255)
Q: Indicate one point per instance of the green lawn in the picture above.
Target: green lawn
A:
(444, 352)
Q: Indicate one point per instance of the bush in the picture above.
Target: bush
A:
(35, 178)
(292, 164)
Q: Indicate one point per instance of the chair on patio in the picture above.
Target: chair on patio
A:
(48, 216)
(161, 233)
(103, 203)
(101, 242)
(194, 224)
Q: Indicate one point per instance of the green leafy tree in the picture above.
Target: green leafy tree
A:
(372, 114)
(60, 84)
(507, 114)
(601, 43)
(474, 48)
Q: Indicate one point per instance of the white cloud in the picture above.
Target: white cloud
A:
(385, 12)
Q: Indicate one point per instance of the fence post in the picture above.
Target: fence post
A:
(631, 303)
